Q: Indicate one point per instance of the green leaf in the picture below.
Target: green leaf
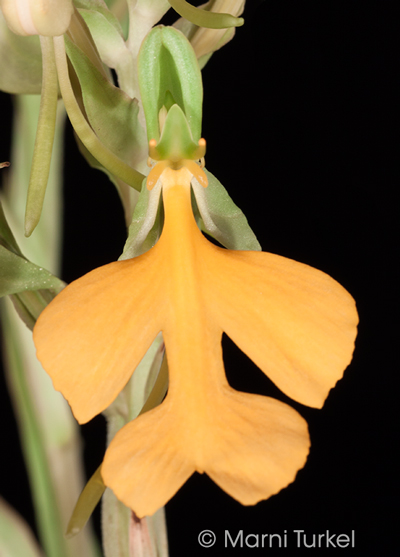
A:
(87, 502)
(167, 67)
(221, 218)
(17, 274)
(6, 236)
(16, 538)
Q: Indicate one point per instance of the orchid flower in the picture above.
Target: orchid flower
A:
(295, 322)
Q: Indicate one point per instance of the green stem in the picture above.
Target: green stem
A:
(44, 138)
(85, 133)
(44, 418)
(203, 18)
(122, 531)
(44, 498)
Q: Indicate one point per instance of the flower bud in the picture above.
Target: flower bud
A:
(37, 17)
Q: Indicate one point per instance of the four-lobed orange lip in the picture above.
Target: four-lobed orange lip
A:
(295, 322)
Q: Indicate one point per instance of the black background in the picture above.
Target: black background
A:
(301, 122)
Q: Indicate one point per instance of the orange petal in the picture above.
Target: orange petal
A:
(146, 464)
(95, 332)
(295, 322)
(251, 446)
(256, 446)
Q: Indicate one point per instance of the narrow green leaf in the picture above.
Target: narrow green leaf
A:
(6, 236)
(87, 502)
(29, 305)
(17, 274)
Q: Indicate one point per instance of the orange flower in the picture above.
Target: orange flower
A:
(295, 322)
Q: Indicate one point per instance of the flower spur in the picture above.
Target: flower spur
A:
(295, 322)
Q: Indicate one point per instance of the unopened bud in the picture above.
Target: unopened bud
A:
(37, 17)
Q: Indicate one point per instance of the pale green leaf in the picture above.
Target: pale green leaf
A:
(17, 274)
(6, 236)
(87, 502)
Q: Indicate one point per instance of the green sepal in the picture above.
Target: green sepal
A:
(204, 18)
(110, 41)
(221, 218)
(111, 113)
(176, 141)
(190, 29)
(167, 66)
(98, 7)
